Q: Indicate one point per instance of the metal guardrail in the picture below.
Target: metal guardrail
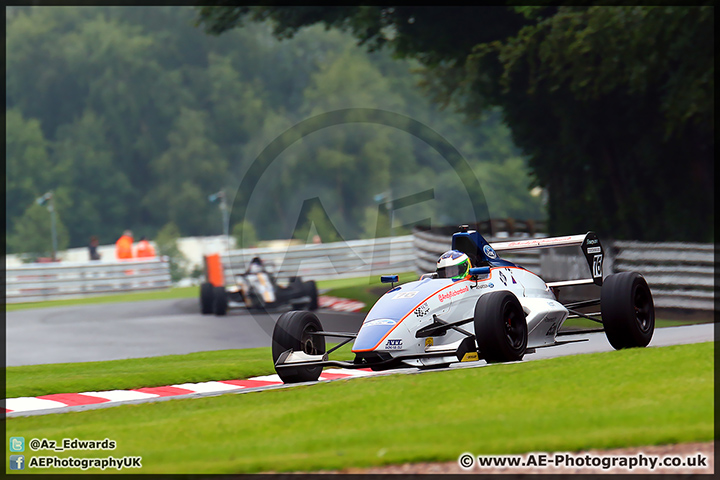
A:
(36, 282)
(355, 258)
(680, 275)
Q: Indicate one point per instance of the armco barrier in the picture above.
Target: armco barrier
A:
(51, 281)
(355, 258)
(680, 275)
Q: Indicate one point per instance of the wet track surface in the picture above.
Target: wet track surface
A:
(165, 327)
(140, 329)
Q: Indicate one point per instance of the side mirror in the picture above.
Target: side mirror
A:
(391, 279)
(479, 271)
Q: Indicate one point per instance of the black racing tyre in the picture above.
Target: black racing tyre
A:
(206, 298)
(293, 331)
(627, 310)
(500, 327)
(313, 293)
(220, 302)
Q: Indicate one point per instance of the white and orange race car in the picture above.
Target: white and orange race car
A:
(498, 312)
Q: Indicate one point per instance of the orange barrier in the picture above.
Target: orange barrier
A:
(214, 270)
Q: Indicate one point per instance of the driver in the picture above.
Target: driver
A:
(453, 264)
(256, 265)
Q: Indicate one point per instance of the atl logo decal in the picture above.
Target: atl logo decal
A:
(393, 344)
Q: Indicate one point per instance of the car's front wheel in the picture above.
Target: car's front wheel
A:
(295, 331)
(220, 302)
(206, 298)
(627, 309)
(500, 327)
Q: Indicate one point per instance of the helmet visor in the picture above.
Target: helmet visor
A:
(453, 271)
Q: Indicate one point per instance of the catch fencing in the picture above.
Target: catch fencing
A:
(680, 275)
(36, 282)
(355, 258)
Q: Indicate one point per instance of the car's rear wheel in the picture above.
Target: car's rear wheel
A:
(500, 327)
(220, 302)
(627, 310)
(206, 298)
(294, 331)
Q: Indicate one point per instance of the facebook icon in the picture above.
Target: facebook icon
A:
(17, 462)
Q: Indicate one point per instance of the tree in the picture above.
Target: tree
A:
(83, 157)
(603, 100)
(32, 235)
(137, 115)
(192, 168)
(166, 241)
(244, 235)
(28, 170)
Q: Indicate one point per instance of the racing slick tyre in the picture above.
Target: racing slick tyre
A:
(293, 330)
(500, 327)
(206, 298)
(627, 310)
(313, 293)
(220, 302)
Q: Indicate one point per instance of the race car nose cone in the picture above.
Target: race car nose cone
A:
(371, 333)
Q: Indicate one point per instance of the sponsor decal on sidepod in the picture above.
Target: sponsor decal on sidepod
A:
(453, 293)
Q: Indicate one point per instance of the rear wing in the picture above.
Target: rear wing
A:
(589, 244)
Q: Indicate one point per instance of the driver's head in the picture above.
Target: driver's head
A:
(453, 264)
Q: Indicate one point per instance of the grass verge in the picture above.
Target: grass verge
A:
(172, 293)
(606, 400)
(35, 380)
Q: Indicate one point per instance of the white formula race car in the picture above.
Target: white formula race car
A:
(258, 289)
(498, 312)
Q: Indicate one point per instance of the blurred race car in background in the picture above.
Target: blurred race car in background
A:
(256, 288)
(475, 306)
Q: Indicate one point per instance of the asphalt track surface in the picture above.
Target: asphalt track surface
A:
(595, 342)
(114, 331)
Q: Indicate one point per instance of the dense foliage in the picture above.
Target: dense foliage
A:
(133, 116)
(613, 105)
